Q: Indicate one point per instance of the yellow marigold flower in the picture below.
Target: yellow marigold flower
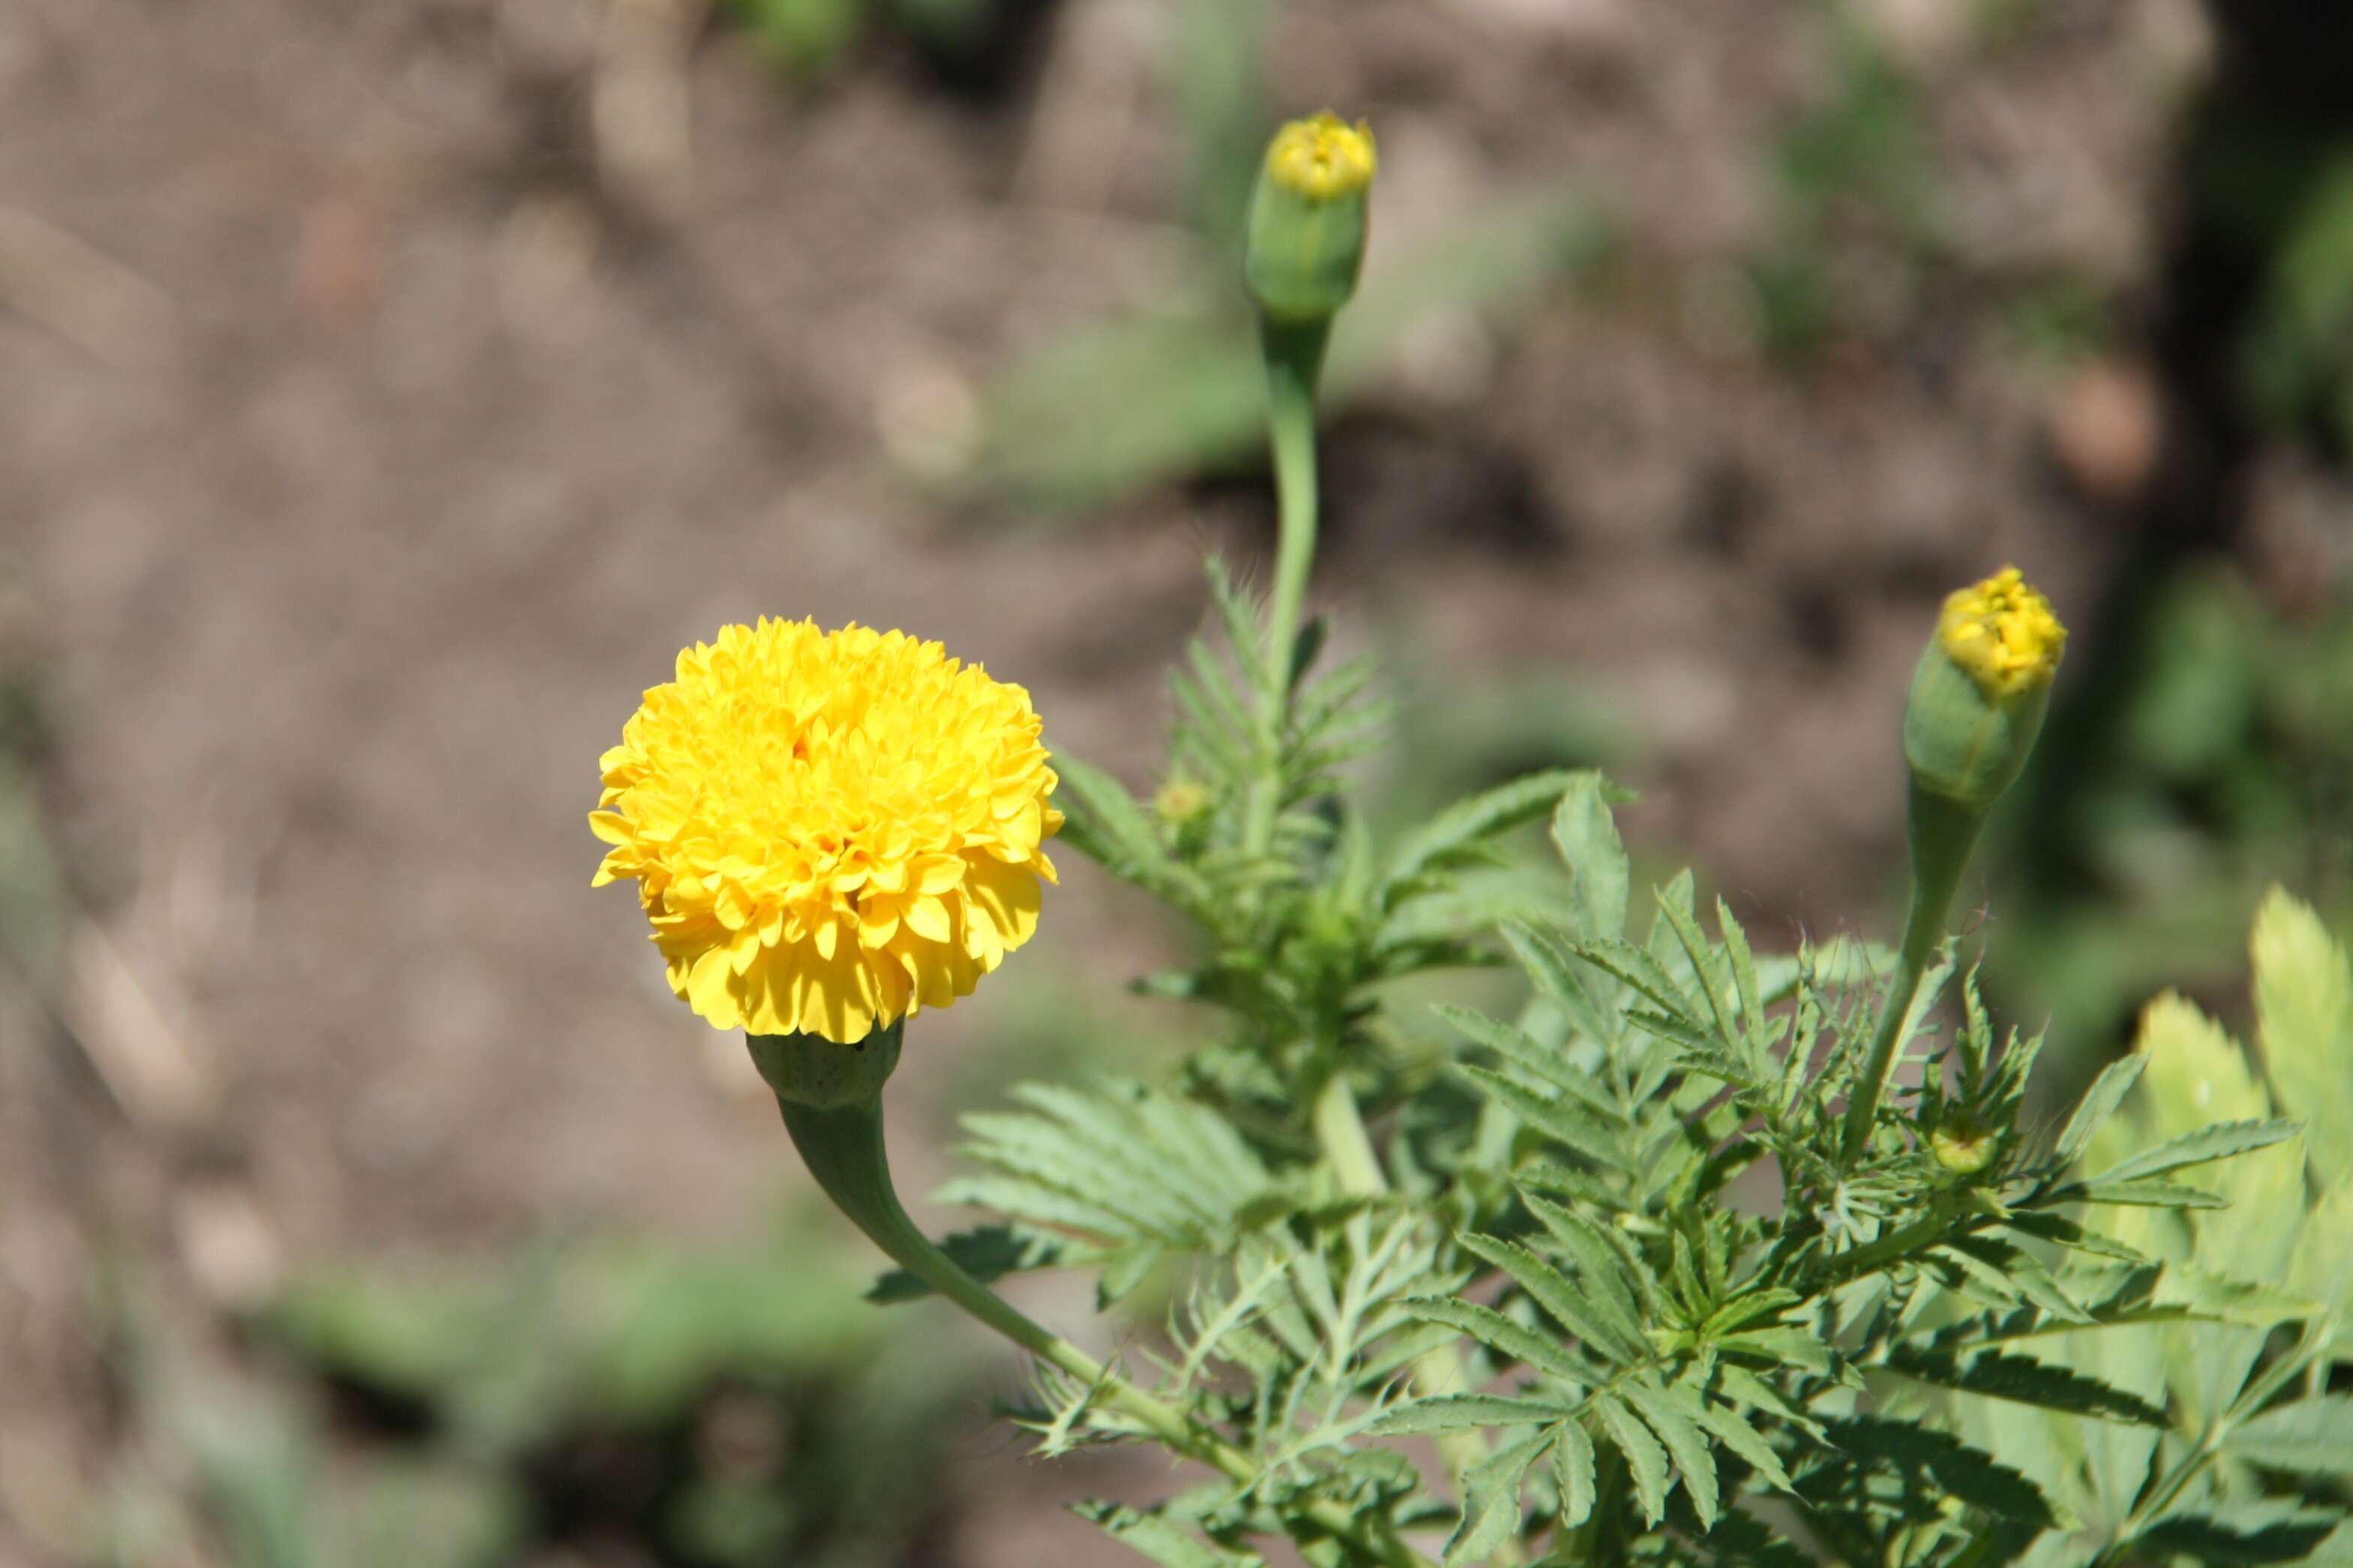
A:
(1322, 156)
(829, 830)
(2002, 632)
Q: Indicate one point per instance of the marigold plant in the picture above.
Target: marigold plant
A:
(1690, 1254)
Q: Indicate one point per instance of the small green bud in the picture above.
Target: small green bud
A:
(809, 1070)
(1308, 218)
(1963, 1144)
(1181, 802)
(1978, 696)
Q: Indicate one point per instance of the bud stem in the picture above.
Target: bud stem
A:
(1944, 831)
(1295, 360)
(842, 1145)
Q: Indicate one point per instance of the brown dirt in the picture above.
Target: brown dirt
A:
(400, 456)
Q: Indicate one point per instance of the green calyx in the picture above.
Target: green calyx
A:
(1962, 743)
(811, 1071)
(1308, 221)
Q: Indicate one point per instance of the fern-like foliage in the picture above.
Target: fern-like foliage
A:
(1604, 1253)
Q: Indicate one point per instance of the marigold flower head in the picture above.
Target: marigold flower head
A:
(2002, 632)
(829, 830)
(1322, 156)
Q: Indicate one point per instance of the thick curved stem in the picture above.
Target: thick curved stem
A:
(844, 1150)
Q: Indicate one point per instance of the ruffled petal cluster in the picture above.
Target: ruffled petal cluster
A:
(829, 830)
(2003, 633)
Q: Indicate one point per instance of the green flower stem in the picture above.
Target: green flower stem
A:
(1348, 1149)
(1294, 360)
(844, 1150)
(1944, 831)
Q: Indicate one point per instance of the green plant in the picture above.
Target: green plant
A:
(1699, 1256)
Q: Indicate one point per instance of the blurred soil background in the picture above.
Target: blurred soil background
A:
(387, 390)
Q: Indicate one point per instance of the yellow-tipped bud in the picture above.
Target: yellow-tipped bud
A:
(1978, 696)
(2002, 632)
(1322, 157)
(1309, 217)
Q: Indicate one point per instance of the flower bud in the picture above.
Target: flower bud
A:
(1964, 1145)
(1978, 696)
(1308, 218)
(811, 1071)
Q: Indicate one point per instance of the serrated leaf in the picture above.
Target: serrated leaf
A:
(1471, 822)
(2304, 1001)
(1115, 822)
(1694, 1462)
(1585, 833)
(1572, 1472)
(1646, 1462)
(1742, 1439)
(2099, 1102)
(1636, 967)
(2219, 1142)
(2308, 1438)
(1556, 978)
(1969, 1474)
(1550, 1290)
(1457, 1412)
(1570, 1126)
(1550, 1066)
(1491, 1499)
(2024, 1380)
(2253, 1532)
(1160, 1539)
(1602, 1267)
(2139, 1195)
(1499, 1333)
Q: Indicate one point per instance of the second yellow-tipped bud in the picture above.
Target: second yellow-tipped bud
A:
(1309, 217)
(1978, 696)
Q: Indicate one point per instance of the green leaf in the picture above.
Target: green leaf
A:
(2219, 1142)
(1603, 1269)
(1549, 1067)
(1572, 1472)
(1160, 1539)
(1694, 1462)
(1585, 833)
(2250, 1532)
(2099, 1102)
(1742, 1439)
(1455, 1412)
(1111, 826)
(1570, 1126)
(1468, 823)
(1491, 1499)
(2309, 1437)
(2025, 1380)
(1500, 1334)
(1646, 1462)
(1951, 1466)
(1563, 1301)
(1640, 970)
(2304, 1001)
(988, 1253)
(2139, 1194)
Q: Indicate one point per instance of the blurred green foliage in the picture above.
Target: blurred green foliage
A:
(1853, 173)
(2218, 761)
(738, 1405)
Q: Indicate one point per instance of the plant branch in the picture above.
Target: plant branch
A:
(844, 1150)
